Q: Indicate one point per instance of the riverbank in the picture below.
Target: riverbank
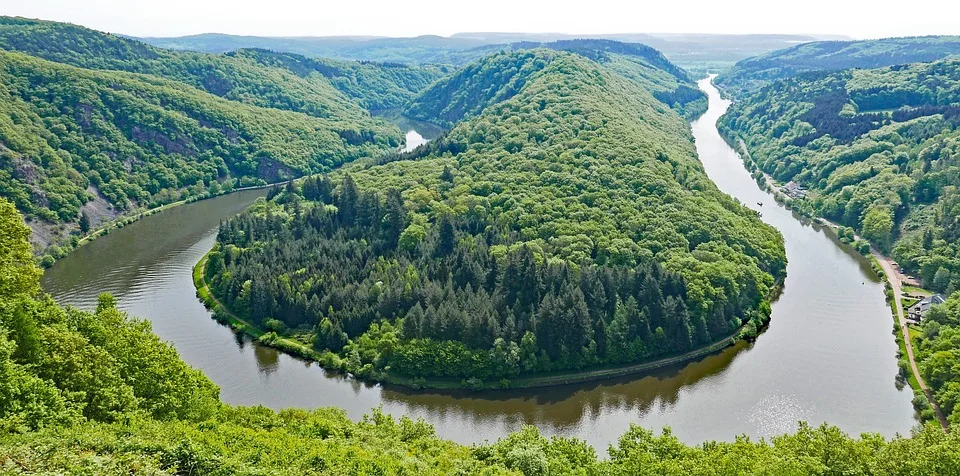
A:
(880, 262)
(63, 249)
(326, 358)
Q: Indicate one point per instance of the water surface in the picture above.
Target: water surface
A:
(416, 133)
(828, 354)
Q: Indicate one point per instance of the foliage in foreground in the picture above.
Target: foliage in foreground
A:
(98, 393)
(252, 441)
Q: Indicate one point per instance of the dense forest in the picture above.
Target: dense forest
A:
(252, 78)
(750, 74)
(938, 356)
(878, 150)
(70, 135)
(373, 85)
(568, 225)
(98, 393)
(500, 76)
(96, 126)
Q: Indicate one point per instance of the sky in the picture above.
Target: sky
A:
(856, 18)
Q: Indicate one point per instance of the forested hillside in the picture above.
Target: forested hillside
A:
(500, 76)
(476, 87)
(85, 140)
(235, 78)
(373, 85)
(751, 74)
(70, 135)
(879, 150)
(97, 393)
(567, 226)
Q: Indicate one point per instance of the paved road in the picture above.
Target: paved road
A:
(894, 280)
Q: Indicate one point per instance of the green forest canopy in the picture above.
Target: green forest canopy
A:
(572, 209)
(98, 393)
(374, 86)
(938, 355)
(497, 77)
(751, 74)
(249, 77)
(879, 151)
(143, 141)
(90, 115)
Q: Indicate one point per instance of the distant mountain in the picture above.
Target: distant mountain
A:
(461, 48)
(753, 73)
(417, 50)
(373, 85)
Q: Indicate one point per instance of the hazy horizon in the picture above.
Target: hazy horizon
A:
(460, 34)
(380, 18)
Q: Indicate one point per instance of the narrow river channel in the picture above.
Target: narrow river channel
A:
(828, 354)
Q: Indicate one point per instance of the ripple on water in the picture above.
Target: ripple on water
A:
(776, 414)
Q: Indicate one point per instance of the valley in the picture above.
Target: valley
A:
(487, 253)
(707, 399)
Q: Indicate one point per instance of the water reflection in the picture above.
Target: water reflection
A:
(828, 354)
(416, 132)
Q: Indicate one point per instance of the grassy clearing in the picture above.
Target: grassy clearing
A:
(916, 290)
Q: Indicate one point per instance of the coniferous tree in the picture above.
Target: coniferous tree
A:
(84, 223)
(347, 201)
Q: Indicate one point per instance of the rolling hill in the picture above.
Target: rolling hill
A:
(107, 125)
(500, 76)
(753, 73)
(562, 190)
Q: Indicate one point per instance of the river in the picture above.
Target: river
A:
(828, 354)
(416, 133)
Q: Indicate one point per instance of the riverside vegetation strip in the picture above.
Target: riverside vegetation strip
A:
(300, 349)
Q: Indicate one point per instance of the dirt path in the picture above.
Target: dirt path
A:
(894, 280)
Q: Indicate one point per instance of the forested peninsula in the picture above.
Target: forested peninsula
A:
(565, 225)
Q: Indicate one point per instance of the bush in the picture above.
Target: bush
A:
(47, 261)
(275, 325)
